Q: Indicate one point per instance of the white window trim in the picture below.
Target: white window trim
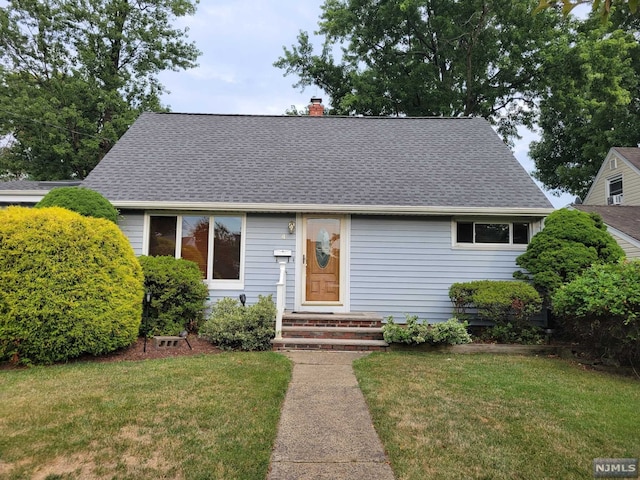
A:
(533, 229)
(211, 283)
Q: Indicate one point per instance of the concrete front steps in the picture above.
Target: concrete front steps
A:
(356, 331)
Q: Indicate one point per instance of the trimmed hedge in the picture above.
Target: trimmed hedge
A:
(234, 327)
(510, 305)
(178, 295)
(601, 310)
(451, 332)
(69, 285)
(81, 200)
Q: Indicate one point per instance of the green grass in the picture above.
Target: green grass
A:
(497, 417)
(202, 417)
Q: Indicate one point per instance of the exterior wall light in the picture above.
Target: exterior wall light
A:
(292, 226)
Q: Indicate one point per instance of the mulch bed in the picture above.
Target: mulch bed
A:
(136, 352)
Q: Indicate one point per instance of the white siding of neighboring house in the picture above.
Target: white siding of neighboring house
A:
(404, 265)
(630, 184)
(630, 249)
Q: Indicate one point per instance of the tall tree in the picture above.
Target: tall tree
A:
(74, 74)
(602, 7)
(592, 103)
(429, 57)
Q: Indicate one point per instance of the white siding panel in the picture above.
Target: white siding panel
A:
(132, 225)
(406, 265)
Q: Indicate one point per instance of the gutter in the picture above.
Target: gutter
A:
(322, 208)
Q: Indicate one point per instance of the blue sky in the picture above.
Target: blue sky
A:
(240, 40)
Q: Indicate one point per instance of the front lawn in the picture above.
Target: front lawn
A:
(203, 417)
(497, 417)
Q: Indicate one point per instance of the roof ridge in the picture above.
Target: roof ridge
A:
(258, 115)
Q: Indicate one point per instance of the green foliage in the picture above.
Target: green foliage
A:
(602, 8)
(508, 304)
(75, 75)
(69, 285)
(178, 295)
(570, 242)
(82, 200)
(601, 308)
(421, 58)
(591, 102)
(413, 332)
(496, 301)
(510, 333)
(234, 327)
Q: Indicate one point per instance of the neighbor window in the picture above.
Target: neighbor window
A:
(615, 186)
(214, 243)
(516, 233)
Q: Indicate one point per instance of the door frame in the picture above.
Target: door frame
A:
(343, 305)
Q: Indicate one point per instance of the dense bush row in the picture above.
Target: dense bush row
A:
(601, 309)
(414, 332)
(69, 285)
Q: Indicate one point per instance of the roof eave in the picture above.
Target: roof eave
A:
(353, 209)
(22, 195)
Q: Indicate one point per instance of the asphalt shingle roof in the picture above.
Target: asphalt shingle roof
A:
(632, 154)
(168, 157)
(625, 218)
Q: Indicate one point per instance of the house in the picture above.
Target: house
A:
(615, 196)
(366, 214)
(27, 193)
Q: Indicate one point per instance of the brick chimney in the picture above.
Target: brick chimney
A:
(316, 109)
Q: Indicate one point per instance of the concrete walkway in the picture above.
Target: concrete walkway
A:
(325, 429)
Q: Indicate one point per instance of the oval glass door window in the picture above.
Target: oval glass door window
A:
(323, 248)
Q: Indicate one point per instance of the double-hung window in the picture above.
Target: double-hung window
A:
(614, 190)
(213, 242)
(509, 233)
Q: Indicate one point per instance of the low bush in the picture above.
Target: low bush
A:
(509, 305)
(601, 310)
(81, 200)
(178, 296)
(234, 327)
(69, 285)
(413, 332)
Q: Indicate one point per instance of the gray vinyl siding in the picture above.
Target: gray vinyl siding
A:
(406, 265)
(264, 235)
(132, 225)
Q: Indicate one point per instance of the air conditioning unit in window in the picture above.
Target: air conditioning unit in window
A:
(615, 199)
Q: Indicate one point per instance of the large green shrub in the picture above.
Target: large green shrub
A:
(509, 305)
(413, 332)
(82, 200)
(570, 242)
(601, 309)
(178, 296)
(234, 327)
(69, 285)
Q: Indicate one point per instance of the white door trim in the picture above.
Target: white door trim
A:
(343, 305)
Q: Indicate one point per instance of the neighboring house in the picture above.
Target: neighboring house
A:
(615, 196)
(28, 193)
(379, 214)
